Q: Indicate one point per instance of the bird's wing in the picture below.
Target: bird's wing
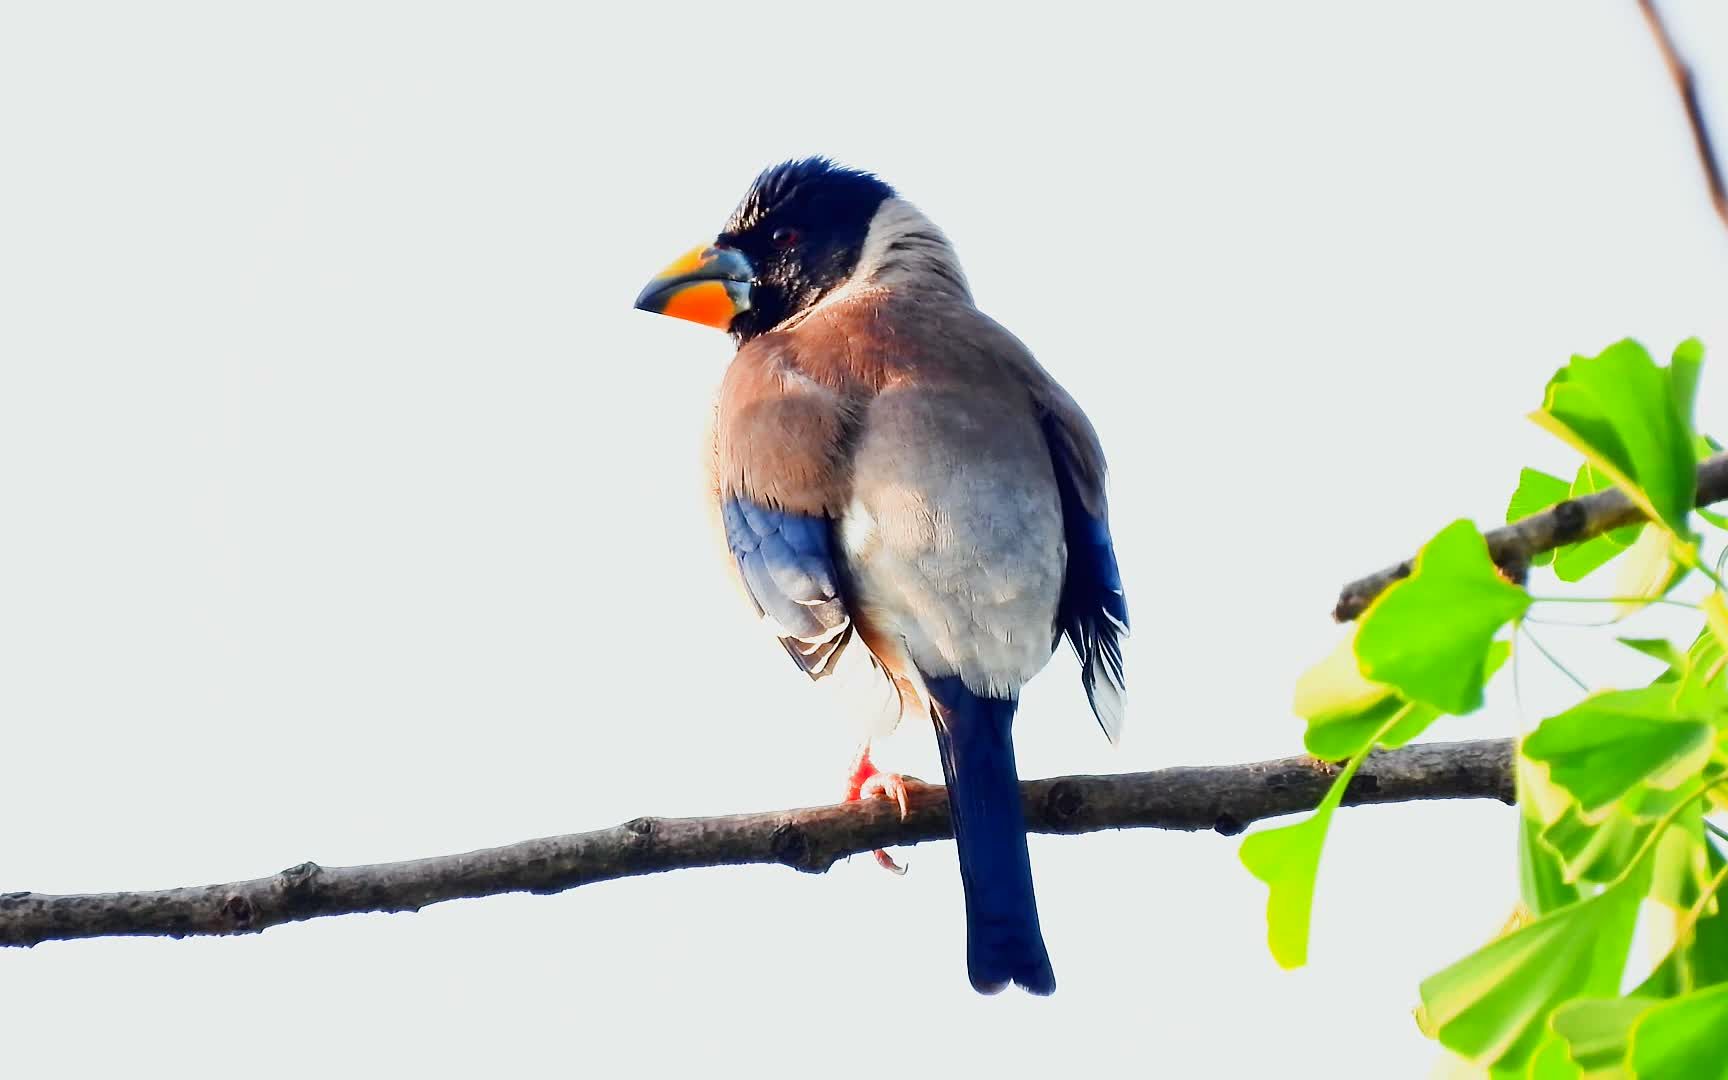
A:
(787, 563)
(778, 459)
(1093, 612)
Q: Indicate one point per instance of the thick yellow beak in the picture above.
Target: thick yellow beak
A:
(707, 285)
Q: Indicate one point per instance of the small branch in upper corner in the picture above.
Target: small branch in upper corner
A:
(1513, 546)
(1687, 85)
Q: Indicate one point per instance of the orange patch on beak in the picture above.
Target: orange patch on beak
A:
(707, 285)
(704, 302)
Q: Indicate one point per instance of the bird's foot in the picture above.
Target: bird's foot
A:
(868, 782)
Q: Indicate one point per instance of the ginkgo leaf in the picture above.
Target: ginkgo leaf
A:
(1492, 1006)
(1624, 414)
(1614, 741)
(1716, 617)
(1647, 572)
(1287, 859)
(1680, 868)
(1542, 880)
(1551, 1062)
(1685, 367)
(1594, 848)
(1428, 636)
(1683, 1039)
(1699, 955)
(1536, 492)
(1574, 562)
(1660, 649)
(1598, 1031)
(1344, 710)
(1705, 446)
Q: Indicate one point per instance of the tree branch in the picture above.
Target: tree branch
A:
(1687, 85)
(1226, 798)
(1513, 546)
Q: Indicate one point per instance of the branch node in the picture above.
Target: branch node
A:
(237, 911)
(792, 847)
(1227, 826)
(299, 880)
(1569, 521)
(1064, 803)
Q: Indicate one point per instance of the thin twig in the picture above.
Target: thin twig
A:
(1687, 85)
(1513, 546)
(1224, 798)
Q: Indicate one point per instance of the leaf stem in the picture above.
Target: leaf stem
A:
(1662, 824)
(1614, 600)
(1684, 928)
(1564, 670)
(1335, 794)
(1720, 832)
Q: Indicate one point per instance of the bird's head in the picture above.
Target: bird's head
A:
(800, 233)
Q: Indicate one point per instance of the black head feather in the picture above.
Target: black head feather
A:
(802, 225)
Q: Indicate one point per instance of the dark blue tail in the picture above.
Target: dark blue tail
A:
(1003, 942)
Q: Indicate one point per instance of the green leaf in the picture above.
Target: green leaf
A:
(1598, 1031)
(1536, 492)
(1429, 635)
(1574, 562)
(1591, 850)
(1340, 737)
(1660, 649)
(1625, 415)
(1551, 1062)
(1617, 740)
(1699, 957)
(1342, 708)
(1702, 686)
(1493, 1005)
(1683, 1039)
(1599, 847)
(1287, 859)
(1542, 880)
(1345, 710)
(1704, 446)
(1684, 368)
(1716, 617)
(1648, 571)
(1681, 870)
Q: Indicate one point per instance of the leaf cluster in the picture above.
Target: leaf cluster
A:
(1616, 792)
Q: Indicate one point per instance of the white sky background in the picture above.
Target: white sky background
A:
(349, 513)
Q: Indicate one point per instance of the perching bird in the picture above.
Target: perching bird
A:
(894, 466)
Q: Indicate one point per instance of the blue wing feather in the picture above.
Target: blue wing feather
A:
(787, 562)
(1093, 610)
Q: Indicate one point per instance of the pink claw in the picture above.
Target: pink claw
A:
(868, 782)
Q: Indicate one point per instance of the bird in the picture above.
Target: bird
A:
(893, 468)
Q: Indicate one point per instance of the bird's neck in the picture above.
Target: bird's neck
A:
(905, 249)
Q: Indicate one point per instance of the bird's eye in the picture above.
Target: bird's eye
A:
(784, 238)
